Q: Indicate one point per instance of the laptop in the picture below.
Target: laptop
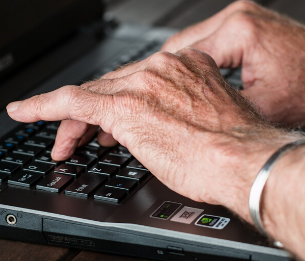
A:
(101, 199)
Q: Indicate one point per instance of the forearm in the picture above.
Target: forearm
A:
(282, 204)
(283, 201)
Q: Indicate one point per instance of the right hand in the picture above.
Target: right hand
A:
(270, 49)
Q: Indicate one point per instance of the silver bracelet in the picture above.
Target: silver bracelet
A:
(260, 181)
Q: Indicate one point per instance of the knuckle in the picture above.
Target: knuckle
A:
(202, 58)
(150, 82)
(40, 103)
(244, 23)
(243, 5)
(195, 53)
(189, 51)
(162, 58)
(93, 86)
(147, 78)
(242, 18)
(70, 94)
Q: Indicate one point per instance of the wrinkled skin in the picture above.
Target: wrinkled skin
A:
(270, 49)
(176, 115)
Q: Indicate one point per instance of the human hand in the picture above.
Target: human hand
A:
(177, 116)
(270, 49)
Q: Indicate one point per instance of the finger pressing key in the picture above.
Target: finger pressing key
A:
(68, 102)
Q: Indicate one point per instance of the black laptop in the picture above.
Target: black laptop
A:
(100, 199)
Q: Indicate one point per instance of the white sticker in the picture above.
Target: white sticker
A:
(187, 215)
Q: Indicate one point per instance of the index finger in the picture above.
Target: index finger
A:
(68, 102)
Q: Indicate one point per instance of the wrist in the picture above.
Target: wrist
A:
(282, 199)
(252, 156)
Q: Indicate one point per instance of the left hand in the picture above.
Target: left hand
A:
(177, 116)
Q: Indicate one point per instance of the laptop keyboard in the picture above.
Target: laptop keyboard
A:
(93, 172)
(100, 173)
(136, 52)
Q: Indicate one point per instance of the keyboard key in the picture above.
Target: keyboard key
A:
(9, 168)
(121, 183)
(17, 158)
(103, 169)
(3, 177)
(125, 58)
(120, 151)
(69, 170)
(2, 154)
(46, 158)
(33, 126)
(7, 146)
(54, 182)
(94, 143)
(39, 142)
(110, 194)
(49, 150)
(16, 139)
(113, 160)
(147, 54)
(53, 125)
(27, 132)
(133, 53)
(153, 44)
(39, 167)
(122, 148)
(135, 164)
(225, 72)
(47, 133)
(24, 178)
(28, 150)
(133, 174)
(40, 124)
(85, 185)
(115, 64)
(91, 151)
(80, 161)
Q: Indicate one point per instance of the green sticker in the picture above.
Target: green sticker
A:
(166, 210)
(211, 221)
(206, 220)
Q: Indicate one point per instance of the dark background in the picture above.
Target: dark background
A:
(181, 13)
(170, 13)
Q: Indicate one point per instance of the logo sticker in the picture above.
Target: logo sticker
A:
(187, 215)
(212, 221)
(166, 210)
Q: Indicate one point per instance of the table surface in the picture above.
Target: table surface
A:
(174, 13)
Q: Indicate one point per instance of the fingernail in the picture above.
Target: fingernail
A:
(13, 106)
